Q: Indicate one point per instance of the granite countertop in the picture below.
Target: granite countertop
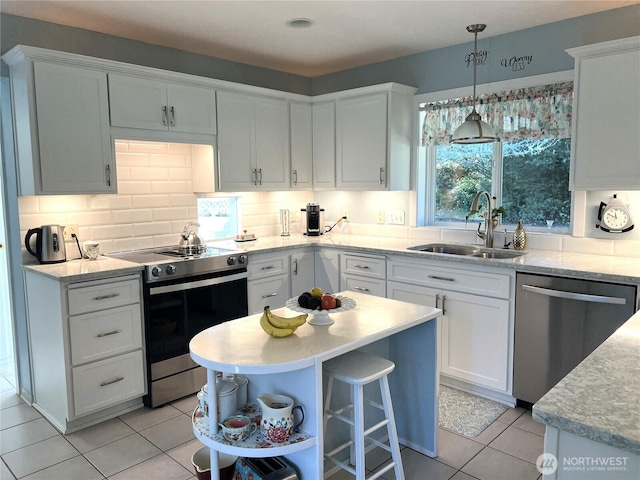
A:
(577, 265)
(599, 398)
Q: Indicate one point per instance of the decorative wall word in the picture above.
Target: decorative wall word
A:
(481, 57)
(517, 63)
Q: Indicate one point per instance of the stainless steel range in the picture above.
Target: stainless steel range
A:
(183, 295)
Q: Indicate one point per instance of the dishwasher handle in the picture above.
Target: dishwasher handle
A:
(582, 297)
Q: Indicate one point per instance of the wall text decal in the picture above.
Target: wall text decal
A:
(481, 57)
(517, 63)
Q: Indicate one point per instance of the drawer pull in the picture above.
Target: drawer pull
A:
(275, 294)
(115, 380)
(446, 279)
(106, 334)
(366, 267)
(269, 267)
(361, 289)
(104, 297)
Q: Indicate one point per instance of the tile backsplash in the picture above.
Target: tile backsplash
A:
(155, 200)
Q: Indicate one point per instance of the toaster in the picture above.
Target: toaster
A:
(269, 468)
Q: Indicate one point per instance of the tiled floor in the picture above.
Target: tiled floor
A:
(158, 444)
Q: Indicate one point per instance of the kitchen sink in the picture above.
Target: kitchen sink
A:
(467, 250)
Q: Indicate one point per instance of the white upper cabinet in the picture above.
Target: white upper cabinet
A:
(301, 130)
(138, 102)
(373, 138)
(61, 122)
(324, 145)
(605, 150)
(253, 143)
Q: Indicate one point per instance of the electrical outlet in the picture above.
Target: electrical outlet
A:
(381, 216)
(345, 213)
(69, 229)
(396, 218)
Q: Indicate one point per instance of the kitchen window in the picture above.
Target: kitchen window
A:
(219, 217)
(527, 171)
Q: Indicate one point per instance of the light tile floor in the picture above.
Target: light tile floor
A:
(158, 444)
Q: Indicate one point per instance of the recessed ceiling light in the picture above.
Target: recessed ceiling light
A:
(299, 23)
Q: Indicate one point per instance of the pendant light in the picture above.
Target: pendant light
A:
(474, 130)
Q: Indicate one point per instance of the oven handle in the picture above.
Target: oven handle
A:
(197, 284)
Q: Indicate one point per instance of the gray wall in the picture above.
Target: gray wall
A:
(25, 31)
(445, 68)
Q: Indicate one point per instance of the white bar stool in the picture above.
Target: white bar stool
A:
(359, 369)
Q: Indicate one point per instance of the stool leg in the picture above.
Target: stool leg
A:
(358, 417)
(391, 427)
(327, 404)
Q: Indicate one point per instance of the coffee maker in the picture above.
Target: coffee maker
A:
(313, 220)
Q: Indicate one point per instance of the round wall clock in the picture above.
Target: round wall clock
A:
(614, 217)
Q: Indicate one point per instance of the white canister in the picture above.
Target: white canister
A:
(241, 395)
(227, 398)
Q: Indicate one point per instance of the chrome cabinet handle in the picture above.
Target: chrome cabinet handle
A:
(255, 176)
(446, 279)
(269, 267)
(108, 172)
(437, 299)
(381, 176)
(361, 289)
(106, 334)
(110, 382)
(295, 266)
(361, 266)
(260, 173)
(172, 122)
(165, 116)
(295, 177)
(444, 309)
(583, 297)
(275, 294)
(104, 297)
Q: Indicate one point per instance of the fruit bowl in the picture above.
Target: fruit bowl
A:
(321, 317)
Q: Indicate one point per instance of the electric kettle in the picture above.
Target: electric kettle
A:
(50, 247)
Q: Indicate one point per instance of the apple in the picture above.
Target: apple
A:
(327, 302)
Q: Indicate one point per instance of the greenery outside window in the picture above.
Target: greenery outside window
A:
(218, 217)
(527, 172)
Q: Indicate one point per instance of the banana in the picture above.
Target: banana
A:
(282, 322)
(274, 331)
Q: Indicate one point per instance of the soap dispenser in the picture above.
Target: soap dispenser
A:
(519, 237)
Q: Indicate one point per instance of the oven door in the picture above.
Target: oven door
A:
(176, 311)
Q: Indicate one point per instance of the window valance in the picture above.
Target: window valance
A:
(533, 113)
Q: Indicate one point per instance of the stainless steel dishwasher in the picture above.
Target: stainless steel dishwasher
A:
(558, 323)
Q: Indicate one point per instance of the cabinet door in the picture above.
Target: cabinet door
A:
(607, 107)
(270, 291)
(235, 142)
(301, 144)
(324, 145)
(191, 109)
(327, 270)
(73, 130)
(272, 143)
(138, 102)
(475, 339)
(362, 142)
(302, 272)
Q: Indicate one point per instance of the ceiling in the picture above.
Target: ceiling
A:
(346, 34)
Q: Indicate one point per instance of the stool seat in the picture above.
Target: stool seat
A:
(358, 369)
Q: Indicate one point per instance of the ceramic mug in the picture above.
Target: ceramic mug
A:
(278, 423)
(237, 428)
(91, 249)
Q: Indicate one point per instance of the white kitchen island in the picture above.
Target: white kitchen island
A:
(403, 332)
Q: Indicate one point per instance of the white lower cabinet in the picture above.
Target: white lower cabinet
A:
(476, 327)
(327, 270)
(87, 348)
(363, 273)
(269, 282)
(302, 272)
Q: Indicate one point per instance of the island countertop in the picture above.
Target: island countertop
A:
(598, 399)
(241, 346)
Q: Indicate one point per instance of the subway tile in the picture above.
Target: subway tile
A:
(587, 245)
(166, 240)
(107, 232)
(90, 218)
(121, 146)
(626, 248)
(131, 159)
(148, 147)
(150, 201)
(168, 160)
(423, 233)
(159, 214)
(63, 203)
(123, 174)
(28, 204)
(182, 200)
(150, 174)
(132, 243)
(113, 202)
(394, 231)
(462, 236)
(134, 188)
(132, 216)
(152, 228)
(179, 148)
(180, 174)
(169, 187)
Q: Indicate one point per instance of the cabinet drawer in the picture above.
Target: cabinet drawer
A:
(103, 334)
(272, 291)
(101, 296)
(370, 286)
(108, 382)
(468, 281)
(374, 267)
(268, 266)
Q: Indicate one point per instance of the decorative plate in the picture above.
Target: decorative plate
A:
(321, 317)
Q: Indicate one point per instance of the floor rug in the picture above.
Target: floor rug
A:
(467, 414)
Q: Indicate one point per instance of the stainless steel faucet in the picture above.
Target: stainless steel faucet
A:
(487, 235)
